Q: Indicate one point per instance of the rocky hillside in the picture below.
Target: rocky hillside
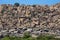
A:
(33, 18)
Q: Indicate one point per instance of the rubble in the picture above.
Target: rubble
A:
(16, 19)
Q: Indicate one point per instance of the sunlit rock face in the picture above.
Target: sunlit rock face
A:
(35, 17)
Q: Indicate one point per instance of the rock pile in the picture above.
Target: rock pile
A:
(36, 19)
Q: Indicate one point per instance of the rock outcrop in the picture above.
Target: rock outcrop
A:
(36, 19)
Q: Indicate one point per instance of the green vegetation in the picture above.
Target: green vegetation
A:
(16, 4)
(28, 37)
(3, 10)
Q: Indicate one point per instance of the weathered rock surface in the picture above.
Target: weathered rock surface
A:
(36, 19)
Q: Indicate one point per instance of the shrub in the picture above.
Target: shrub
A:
(27, 35)
(16, 4)
(5, 38)
(2, 11)
(44, 37)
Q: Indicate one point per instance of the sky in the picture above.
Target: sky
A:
(30, 2)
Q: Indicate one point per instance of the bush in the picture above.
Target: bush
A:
(44, 37)
(2, 11)
(5, 38)
(26, 35)
(16, 4)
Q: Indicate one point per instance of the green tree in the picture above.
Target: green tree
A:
(16, 4)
